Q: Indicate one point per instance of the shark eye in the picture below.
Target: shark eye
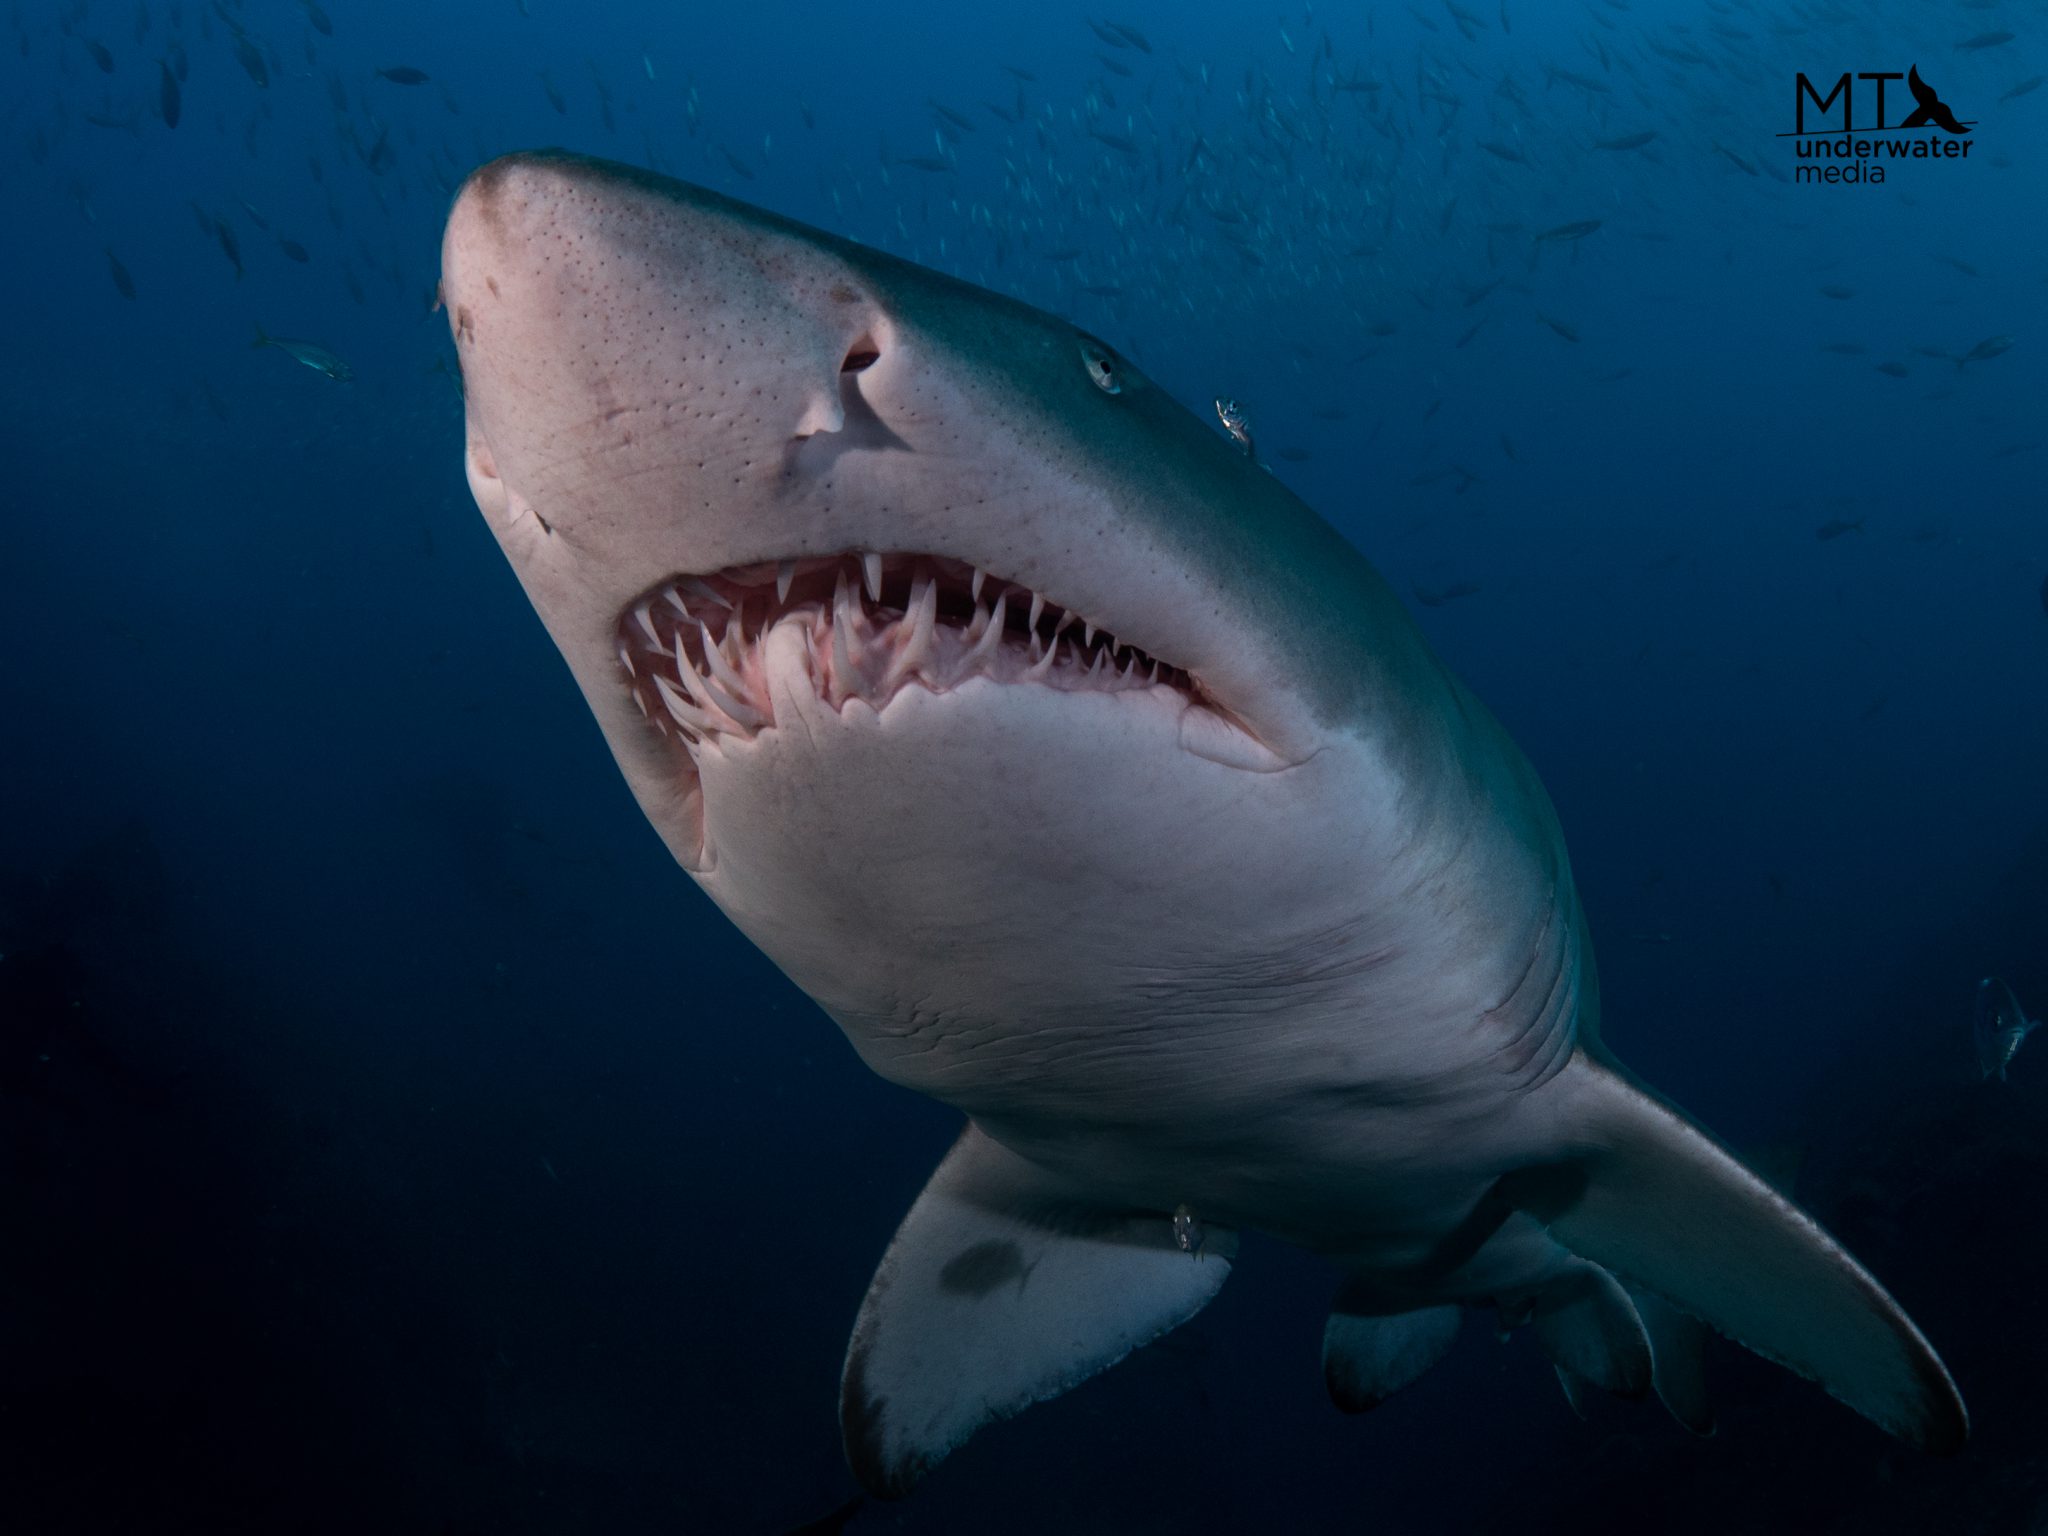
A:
(1102, 365)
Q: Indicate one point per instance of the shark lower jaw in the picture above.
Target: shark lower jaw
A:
(704, 655)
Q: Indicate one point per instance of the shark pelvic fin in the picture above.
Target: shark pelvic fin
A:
(1588, 1327)
(1003, 1288)
(1655, 1200)
(1678, 1360)
(1577, 1390)
(1368, 1356)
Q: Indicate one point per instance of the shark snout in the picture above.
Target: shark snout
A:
(682, 342)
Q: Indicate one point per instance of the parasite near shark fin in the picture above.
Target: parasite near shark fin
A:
(1652, 1198)
(1001, 1289)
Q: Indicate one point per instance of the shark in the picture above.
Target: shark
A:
(1095, 786)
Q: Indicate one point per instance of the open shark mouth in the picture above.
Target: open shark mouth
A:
(695, 647)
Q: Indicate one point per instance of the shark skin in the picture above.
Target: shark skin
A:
(1096, 787)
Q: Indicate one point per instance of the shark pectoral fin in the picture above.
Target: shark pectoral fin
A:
(1002, 1289)
(1588, 1327)
(1652, 1198)
(1367, 1358)
(1678, 1360)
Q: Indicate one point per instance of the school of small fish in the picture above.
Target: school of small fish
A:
(1420, 180)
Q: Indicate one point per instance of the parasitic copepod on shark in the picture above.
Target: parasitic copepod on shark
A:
(1097, 788)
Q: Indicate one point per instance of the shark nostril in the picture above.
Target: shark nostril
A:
(861, 355)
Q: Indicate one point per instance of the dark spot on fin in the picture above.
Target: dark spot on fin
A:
(980, 1269)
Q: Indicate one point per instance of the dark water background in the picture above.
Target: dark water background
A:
(392, 1139)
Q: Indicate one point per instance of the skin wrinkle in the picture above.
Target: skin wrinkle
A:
(1563, 1046)
(1294, 965)
(1558, 980)
(1074, 1049)
(1535, 952)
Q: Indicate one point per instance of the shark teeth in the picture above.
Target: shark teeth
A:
(693, 652)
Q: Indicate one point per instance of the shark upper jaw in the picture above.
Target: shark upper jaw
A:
(689, 420)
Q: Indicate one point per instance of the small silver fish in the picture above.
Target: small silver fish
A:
(2001, 1028)
(1187, 1230)
(317, 358)
(1236, 423)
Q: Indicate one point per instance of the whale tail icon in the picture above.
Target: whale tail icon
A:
(1930, 109)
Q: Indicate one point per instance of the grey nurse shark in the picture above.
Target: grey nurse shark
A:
(1097, 788)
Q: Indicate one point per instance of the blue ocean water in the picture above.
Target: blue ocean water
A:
(395, 1139)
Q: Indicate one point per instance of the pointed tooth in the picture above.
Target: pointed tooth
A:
(850, 614)
(1037, 609)
(710, 594)
(984, 649)
(817, 665)
(1087, 634)
(1155, 674)
(743, 714)
(871, 575)
(924, 604)
(844, 607)
(1041, 669)
(641, 699)
(702, 689)
(692, 678)
(674, 599)
(722, 670)
(681, 710)
(709, 695)
(1130, 666)
(844, 678)
(1095, 666)
(1066, 617)
(643, 616)
(974, 587)
(785, 573)
(626, 661)
(916, 648)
